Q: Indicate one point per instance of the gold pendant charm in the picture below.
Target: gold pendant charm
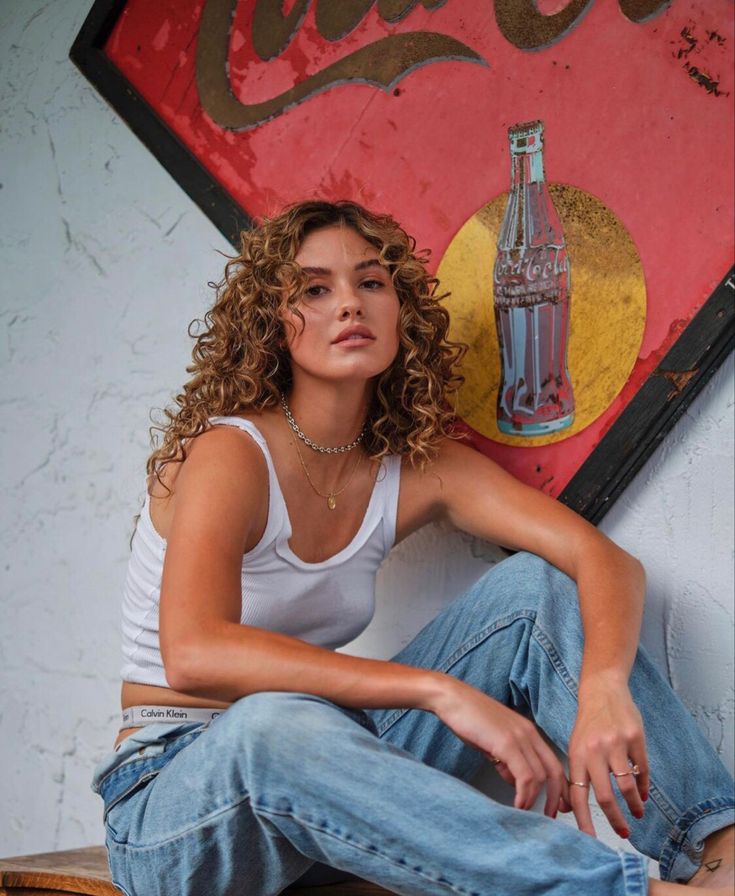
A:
(331, 502)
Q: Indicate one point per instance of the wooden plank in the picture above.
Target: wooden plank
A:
(75, 871)
(84, 872)
(34, 891)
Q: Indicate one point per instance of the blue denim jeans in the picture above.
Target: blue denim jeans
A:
(282, 784)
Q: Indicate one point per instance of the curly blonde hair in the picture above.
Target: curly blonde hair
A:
(240, 359)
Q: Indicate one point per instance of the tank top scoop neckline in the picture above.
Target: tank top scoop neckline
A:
(278, 529)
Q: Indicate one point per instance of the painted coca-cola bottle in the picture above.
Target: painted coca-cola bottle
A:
(532, 286)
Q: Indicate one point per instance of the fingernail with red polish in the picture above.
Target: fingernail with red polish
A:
(624, 833)
(638, 813)
(644, 797)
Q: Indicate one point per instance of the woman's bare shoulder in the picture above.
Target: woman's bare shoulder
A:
(223, 469)
(224, 455)
(450, 453)
(422, 488)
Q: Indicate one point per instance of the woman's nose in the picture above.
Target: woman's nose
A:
(350, 303)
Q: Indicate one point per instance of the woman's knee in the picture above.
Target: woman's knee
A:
(266, 712)
(276, 738)
(274, 722)
(527, 582)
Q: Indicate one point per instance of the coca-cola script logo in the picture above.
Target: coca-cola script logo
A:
(524, 278)
(382, 63)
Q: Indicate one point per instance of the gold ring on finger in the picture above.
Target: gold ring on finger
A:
(633, 770)
(494, 760)
(577, 783)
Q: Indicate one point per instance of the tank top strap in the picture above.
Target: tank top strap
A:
(277, 512)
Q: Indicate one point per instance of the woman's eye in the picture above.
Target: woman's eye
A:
(373, 284)
(315, 291)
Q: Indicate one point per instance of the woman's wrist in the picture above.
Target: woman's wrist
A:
(440, 691)
(602, 681)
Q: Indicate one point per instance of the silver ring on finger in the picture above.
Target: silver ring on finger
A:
(633, 770)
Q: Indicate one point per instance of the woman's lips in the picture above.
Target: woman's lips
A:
(355, 335)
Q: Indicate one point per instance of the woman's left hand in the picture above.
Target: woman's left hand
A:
(608, 740)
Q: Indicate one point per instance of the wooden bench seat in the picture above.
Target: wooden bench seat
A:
(84, 872)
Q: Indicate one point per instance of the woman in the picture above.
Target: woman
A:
(311, 438)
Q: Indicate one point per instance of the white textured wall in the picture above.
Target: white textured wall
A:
(104, 261)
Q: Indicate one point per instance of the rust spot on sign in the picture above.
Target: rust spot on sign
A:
(705, 49)
(704, 80)
(679, 379)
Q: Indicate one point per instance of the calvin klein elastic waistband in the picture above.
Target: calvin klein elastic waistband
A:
(134, 716)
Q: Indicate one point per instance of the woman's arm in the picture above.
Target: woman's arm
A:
(478, 497)
(220, 493)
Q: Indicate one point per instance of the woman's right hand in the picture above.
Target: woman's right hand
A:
(526, 761)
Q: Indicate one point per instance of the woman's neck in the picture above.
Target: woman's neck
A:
(330, 414)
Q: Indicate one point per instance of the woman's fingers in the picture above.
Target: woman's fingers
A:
(529, 786)
(626, 772)
(579, 797)
(511, 742)
(623, 763)
(557, 789)
(502, 769)
(639, 756)
(520, 772)
(599, 772)
(529, 766)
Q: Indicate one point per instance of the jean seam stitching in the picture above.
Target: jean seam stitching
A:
(634, 874)
(658, 796)
(548, 647)
(184, 833)
(461, 652)
(665, 806)
(446, 884)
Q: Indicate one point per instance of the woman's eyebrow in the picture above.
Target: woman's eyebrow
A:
(368, 263)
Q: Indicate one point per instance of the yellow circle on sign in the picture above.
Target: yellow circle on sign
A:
(607, 310)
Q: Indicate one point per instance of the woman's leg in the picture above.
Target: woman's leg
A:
(516, 635)
(283, 780)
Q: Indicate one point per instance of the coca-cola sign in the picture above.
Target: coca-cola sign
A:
(407, 106)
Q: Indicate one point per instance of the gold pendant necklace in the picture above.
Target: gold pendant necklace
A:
(333, 495)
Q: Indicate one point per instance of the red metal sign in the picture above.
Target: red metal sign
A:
(407, 106)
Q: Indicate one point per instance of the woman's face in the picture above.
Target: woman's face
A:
(350, 309)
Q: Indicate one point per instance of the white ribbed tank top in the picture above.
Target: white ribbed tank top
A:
(327, 603)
